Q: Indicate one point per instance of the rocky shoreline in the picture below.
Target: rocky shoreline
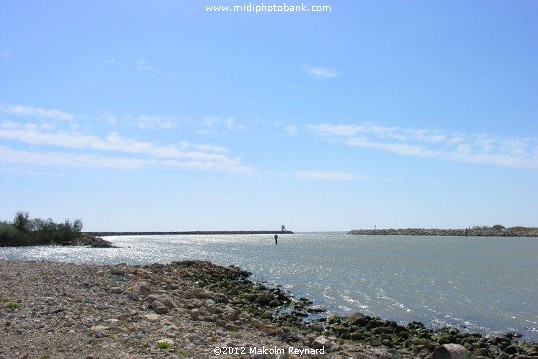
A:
(464, 232)
(195, 309)
(81, 240)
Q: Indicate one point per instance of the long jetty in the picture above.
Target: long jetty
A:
(470, 232)
(186, 233)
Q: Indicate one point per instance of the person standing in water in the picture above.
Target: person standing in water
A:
(276, 238)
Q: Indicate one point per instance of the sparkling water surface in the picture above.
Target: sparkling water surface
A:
(484, 284)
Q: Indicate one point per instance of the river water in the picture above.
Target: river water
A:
(483, 284)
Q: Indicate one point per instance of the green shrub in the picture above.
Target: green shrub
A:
(163, 344)
(12, 306)
(25, 231)
(7, 231)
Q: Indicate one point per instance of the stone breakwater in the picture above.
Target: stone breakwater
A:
(186, 233)
(445, 232)
(195, 309)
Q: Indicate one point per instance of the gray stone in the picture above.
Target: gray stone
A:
(169, 303)
(450, 351)
(321, 342)
(232, 313)
(375, 342)
(194, 314)
(141, 288)
(318, 327)
(118, 271)
(151, 317)
(390, 354)
(160, 308)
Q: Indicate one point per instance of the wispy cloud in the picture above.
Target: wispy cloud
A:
(154, 122)
(37, 112)
(320, 72)
(328, 176)
(463, 147)
(148, 153)
(8, 155)
(113, 61)
(211, 126)
(108, 117)
(142, 65)
(203, 147)
(287, 129)
(68, 159)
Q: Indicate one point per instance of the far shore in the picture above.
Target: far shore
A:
(462, 232)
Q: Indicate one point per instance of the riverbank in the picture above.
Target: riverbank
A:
(187, 309)
(464, 232)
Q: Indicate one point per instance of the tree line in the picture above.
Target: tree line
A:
(25, 231)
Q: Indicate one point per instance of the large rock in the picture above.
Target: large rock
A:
(450, 351)
(159, 308)
(168, 302)
(321, 342)
(139, 288)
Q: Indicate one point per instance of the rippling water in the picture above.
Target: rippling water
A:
(481, 284)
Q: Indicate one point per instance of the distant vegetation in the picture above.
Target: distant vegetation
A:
(24, 231)
(517, 230)
(475, 231)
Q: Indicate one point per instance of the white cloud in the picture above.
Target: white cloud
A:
(291, 130)
(37, 112)
(68, 159)
(202, 147)
(17, 157)
(114, 62)
(108, 117)
(145, 66)
(455, 146)
(329, 176)
(286, 128)
(154, 122)
(192, 157)
(320, 72)
(212, 126)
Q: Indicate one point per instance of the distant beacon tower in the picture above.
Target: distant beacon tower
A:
(283, 228)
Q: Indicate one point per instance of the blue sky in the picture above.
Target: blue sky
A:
(160, 115)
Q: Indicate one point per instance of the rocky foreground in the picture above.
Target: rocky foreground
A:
(195, 309)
